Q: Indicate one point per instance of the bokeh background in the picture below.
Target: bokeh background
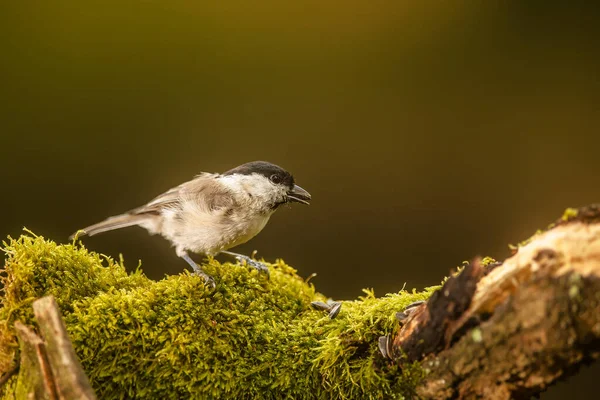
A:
(428, 132)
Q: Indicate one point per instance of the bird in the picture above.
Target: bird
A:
(213, 212)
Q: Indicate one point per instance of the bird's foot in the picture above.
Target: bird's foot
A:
(208, 280)
(242, 259)
(261, 267)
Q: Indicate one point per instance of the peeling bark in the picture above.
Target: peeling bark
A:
(432, 325)
(529, 322)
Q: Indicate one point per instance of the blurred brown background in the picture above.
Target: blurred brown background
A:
(427, 132)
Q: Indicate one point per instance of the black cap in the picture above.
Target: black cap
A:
(271, 171)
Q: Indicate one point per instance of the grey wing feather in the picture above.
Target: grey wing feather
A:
(201, 189)
(168, 199)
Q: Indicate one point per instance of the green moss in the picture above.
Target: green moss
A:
(569, 214)
(485, 261)
(250, 337)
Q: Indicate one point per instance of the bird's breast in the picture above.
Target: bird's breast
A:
(245, 229)
(210, 233)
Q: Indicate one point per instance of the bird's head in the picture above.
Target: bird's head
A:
(266, 183)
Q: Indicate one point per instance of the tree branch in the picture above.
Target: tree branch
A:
(494, 330)
(528, 323)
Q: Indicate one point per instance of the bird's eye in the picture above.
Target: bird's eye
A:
(275, 178)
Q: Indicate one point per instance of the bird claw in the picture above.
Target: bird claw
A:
(208, 280)
(261, 267)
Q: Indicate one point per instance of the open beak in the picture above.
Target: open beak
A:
(298, 195)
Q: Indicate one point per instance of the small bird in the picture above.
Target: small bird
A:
(213, 212)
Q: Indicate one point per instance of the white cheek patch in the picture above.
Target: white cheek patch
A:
(254, 185)
(260, 188)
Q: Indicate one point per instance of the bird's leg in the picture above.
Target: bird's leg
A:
(198, 271)
(261, 267)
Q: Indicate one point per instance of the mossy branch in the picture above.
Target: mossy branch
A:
(252, 337)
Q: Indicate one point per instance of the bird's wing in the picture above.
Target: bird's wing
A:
(168, 199)
(203, 190)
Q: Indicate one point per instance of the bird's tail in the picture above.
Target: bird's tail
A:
(111, 223)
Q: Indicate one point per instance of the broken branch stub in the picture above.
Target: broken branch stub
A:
(49, 367)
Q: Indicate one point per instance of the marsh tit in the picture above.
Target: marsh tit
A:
(213, 212)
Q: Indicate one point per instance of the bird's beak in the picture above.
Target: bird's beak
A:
(298, 195)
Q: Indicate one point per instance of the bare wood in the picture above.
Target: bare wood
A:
(528, 322)
(71, 381)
